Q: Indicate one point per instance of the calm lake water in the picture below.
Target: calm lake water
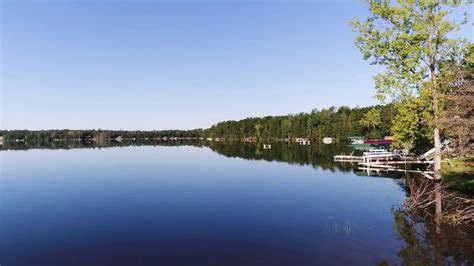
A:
(197, 205)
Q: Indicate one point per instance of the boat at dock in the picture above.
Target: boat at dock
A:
(360, 143)
(381, 160)
(378, 141)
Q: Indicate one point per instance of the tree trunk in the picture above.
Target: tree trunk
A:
(436, 137)
(437, 155)
(438, 208)
(460, 143)
(434, 95)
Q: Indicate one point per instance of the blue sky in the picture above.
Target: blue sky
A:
(176, 64)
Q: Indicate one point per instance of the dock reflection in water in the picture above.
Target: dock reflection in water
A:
(198, 203)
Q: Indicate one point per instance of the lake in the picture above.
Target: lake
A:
(198, 204)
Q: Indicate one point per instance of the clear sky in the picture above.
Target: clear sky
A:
(176, 64)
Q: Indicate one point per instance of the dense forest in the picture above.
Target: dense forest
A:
(96, 135)
(338, 123)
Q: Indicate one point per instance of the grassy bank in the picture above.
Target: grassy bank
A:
(459, 173)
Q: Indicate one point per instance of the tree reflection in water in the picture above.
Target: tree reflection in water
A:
(429, 224)
(318, 156)
(426, 233)
(432, 243)
(428, 237)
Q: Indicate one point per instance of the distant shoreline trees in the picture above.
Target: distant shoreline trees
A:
(337, 123)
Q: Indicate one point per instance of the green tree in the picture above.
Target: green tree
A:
(411, 39)
(412, 124)
(285, 128)
(371, 119)
(459, 112)
(258, 131)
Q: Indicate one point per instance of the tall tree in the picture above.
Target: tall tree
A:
(459, 113)
(411, 39)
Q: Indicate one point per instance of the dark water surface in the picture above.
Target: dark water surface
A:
(189, 205)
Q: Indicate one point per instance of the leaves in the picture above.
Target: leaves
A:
(417, 45)
(413, 123)
(371, 119)
(409, 38)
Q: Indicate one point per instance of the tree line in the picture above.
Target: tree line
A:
(337, 123)
(97, 135)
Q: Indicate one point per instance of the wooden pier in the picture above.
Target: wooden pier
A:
(427, 174)
(383, 161)
(392, 163)
(378, 157)
(348, 158)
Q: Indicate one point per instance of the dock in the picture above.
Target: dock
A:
(377, 161)
(392, 163)
(369, 171)
(348, 158)
(373, 156)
